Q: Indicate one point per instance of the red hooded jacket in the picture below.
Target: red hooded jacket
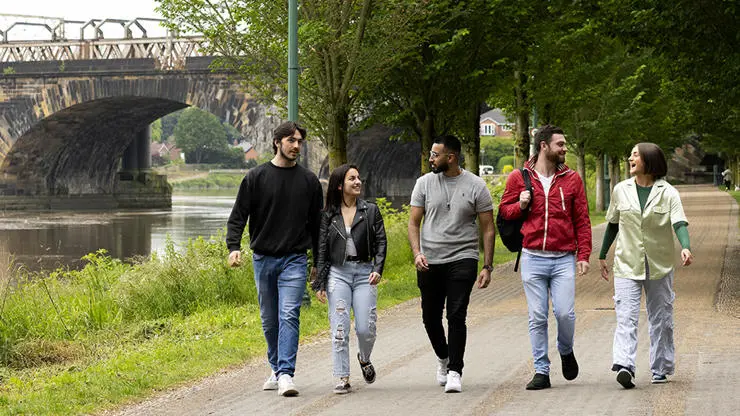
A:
(558, 222)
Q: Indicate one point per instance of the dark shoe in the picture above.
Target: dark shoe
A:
(368, 371)
(626, 378)
(659, 379)
(539, 382)
(570, 366)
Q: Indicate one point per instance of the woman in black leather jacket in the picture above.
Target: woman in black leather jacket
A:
(352, 247)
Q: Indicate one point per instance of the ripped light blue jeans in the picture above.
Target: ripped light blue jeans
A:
(348, 287)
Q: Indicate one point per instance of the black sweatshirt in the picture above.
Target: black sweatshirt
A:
(283, 206)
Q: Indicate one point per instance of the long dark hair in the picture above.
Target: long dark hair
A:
(336, 180)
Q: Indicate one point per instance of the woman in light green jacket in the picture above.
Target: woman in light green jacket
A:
(644, 213)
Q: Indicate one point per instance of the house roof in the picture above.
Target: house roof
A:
(245, 146)
(496, 115)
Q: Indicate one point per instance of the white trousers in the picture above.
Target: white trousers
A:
(659, 298)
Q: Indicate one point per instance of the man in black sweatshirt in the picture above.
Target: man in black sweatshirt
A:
(282, 202)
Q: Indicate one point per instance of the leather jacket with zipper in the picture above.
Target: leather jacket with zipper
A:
(368, 234)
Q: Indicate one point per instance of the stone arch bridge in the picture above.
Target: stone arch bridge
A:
(75, 132)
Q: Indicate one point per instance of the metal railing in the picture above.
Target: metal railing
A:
(170, 51)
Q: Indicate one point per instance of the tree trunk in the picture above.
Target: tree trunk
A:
(337, 141)
(600, 182)
(580, 151)
(521, 138)
(427, 139)
(626, 173)
(471, 139)
(614, 174)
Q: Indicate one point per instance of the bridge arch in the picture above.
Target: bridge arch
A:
(64, 134)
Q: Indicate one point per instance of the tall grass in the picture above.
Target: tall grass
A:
(76, 341)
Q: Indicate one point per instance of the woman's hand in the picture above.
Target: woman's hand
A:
(374, 278)
(321, 296)
(686, 257)
(604, 269)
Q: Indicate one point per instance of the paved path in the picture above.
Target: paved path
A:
(498, 360)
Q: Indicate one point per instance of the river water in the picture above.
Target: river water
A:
(47, 240)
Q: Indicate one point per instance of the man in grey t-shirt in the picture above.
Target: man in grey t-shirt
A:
(445, 249)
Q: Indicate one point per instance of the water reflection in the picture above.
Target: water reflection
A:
(47, 240)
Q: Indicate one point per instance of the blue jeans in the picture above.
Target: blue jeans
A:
(545, 277)
(280, 283)
(349, 287)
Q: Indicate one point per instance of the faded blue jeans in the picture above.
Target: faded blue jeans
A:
(544, 278)
(280, 281)
(348, 286)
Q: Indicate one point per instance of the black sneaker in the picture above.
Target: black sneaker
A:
(343, 387)
(539, 382)
(626, 378)
(368, 371)
(570, 366)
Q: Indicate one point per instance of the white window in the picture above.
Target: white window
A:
(488, 130)
(506, 127)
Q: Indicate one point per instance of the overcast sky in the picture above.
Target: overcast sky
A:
(73, 10)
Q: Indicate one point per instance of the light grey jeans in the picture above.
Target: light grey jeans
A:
(348, 287)
(659, 298)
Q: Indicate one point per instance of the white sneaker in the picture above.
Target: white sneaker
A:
(442, 371)
(286, 387)
(454, 382)
(271, 383)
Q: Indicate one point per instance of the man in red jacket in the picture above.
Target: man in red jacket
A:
(557, 242)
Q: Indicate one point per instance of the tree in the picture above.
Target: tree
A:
(200, 134)
(251, 38)
(441, 73)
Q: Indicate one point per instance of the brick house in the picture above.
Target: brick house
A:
(495, 123)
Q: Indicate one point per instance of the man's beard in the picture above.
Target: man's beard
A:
(555, 157)
(440, 168)
(287, 155)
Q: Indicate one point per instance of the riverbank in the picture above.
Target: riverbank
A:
(83, 341)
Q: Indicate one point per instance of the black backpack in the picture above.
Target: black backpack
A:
(510, 231)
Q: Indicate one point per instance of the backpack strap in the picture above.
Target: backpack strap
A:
(528, 187)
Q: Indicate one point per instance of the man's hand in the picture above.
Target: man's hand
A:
(686, 257)
(582, 267)
(604, 269)
(420, 261)
(321, 296)
(235, 258)
(484, 278)
(524, 198)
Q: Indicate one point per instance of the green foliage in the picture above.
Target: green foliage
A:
(201, 136)
(212, 181)
(494, 148)
(8, 70)
(156, 127)
(503, 162)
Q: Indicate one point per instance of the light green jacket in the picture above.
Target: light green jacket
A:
(647, 233)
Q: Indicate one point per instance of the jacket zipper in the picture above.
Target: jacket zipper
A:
(345, 240)
(562, 198)
(547, 214)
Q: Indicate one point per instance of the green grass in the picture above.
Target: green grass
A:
(212, 181)
(82, 341)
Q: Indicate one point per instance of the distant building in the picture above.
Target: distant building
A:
(250, 153)
(495, 123)
(163, 153)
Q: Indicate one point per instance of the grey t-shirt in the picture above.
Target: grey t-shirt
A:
(451, 206)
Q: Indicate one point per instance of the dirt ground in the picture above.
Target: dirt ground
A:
(498, 359)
